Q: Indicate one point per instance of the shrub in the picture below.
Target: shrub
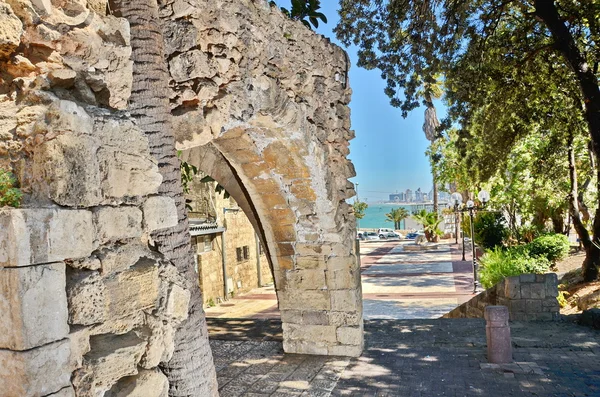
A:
(500, 263)
(9, 194)
(553, 247)
(490, 229)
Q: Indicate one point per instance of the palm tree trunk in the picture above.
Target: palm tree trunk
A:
(191, 371)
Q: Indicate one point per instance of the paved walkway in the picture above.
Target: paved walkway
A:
(399, 282)
(444, 357)
(417, 356)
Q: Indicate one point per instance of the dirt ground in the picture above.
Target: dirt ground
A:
(570, 281)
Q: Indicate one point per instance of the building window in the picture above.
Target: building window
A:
(246, 252)
(239, 254)
(204, 243)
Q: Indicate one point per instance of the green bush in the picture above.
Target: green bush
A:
(553, 247)
(500, 263)
(490, 229)
(9, 194)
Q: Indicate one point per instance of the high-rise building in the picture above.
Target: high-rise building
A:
(397, 197)
(409, 195)
(418, 196)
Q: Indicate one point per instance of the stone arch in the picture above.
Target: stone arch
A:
(266, 101)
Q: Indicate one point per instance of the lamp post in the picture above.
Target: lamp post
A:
(457, 200)
(483, 197)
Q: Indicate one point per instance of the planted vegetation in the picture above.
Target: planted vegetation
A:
(10, 195)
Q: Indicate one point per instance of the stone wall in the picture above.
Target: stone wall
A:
(261, 105)
(529, 297)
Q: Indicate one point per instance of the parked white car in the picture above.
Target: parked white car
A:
(370, 236)
(384, 233)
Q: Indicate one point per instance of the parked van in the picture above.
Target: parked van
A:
(385, 232)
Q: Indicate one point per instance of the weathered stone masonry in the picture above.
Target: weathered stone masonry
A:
(86, 307)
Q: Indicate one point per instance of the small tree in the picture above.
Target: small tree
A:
(431, 222)
(359, 209)
(396, 215)
(490, 229)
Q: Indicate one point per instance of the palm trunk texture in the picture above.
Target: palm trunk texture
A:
(565, 43)
(191, 371)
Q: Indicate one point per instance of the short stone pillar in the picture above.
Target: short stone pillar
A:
(499, 347)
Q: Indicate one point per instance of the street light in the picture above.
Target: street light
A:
(484, 197)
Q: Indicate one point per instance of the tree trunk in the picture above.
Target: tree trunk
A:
(191, 371)
(435, 192)
(564, 42)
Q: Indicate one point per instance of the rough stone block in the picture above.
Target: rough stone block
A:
(111, 358)
(12, 28)
(35, 236)
(132, 290)
(315, 318)
(527, 278)
(33, 304)
(66, 392)
(517, 306)
(121, 257)
(304, 347)
(117, 223)
(310, 262)
(318, 333)
(159, 213)
(178, 301)
(526, 291)
(345, 350)
(308, 279)
(341, 263)
(512, 288)
(80, 345)
(36, 372)
(119, 326)
(147, 383)
(311, 299)
(86, 294)
(160, 345)
(346, 300)
(551, 283)
(533, 305)
(349, 318)
(350, 335)
(343, 279)
(291, 316)
(537, 291)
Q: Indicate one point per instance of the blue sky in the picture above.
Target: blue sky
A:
(388, 151)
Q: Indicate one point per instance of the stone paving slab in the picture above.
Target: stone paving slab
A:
(424, 283)
(444, 357)
(407, 308)
(414, 268)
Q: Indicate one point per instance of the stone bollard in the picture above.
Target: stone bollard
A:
(499, 347)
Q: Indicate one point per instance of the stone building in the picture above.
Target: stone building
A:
(90, 306)
(229, 257)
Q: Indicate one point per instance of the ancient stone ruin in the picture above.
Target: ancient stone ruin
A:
(88, 306)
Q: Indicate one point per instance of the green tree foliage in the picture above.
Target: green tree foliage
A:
(359, 209)
(397, 215)
(490, 230)
(511, 69)
(553, 247)
(431, 224)
(9, 194)
(306, 11)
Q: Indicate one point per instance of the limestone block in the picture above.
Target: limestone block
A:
(119, 326)
(306, 279)
(34, 306)
(315, 317)
(98, 6)
(132, 290)
(346, 300)
(342, 279)
(34, 236)
(190, 65)
(178, 301)
(160, 345)
(345, 318)
(311, 299)
(11, 30)
(117, 223)
(80, 345)
(341, 262)
(512, 288)
(345, 350)
(159, 213)
(66, 392)
(111, 358)
(114, 259)
(310, 262)
(147, 383)
(318, 333)
(305, 347)
(63, 78)
(86, 294)
(35, 372)
(350, 335)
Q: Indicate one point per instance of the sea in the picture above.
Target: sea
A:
(375, 214)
